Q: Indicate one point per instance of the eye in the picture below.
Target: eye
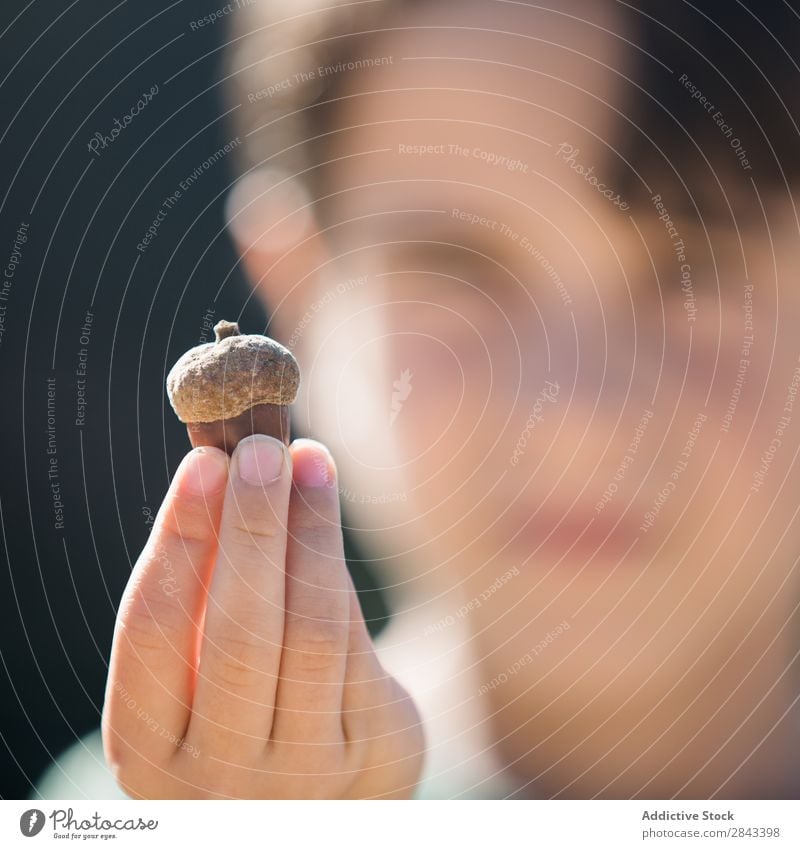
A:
(446, 269)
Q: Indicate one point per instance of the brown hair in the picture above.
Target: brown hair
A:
(715, 91)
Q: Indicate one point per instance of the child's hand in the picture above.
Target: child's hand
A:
(241, 665)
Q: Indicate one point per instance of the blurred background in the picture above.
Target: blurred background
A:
(89, 325)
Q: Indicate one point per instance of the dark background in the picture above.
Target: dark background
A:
(68, 70)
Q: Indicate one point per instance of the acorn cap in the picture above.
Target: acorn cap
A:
(222, 379)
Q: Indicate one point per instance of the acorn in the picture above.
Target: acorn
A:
(236, 386)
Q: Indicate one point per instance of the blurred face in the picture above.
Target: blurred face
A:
(518, 370)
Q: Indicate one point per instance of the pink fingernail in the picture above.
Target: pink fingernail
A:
(312, 464)
(259, 459)
(203, 472)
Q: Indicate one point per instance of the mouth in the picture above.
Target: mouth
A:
(576, 531)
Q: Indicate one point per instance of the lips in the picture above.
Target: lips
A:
(577, 530)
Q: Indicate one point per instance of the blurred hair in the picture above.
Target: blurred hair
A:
(741, 56)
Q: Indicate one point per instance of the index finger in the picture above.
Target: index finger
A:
(243, 633)
(153, 655)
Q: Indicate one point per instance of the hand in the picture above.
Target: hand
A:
(241, 666)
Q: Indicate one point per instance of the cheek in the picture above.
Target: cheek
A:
(384, 395)
(414, 388)
(468, 362)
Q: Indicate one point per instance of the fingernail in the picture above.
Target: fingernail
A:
(312, 464)
(260, 459)
(202, 472)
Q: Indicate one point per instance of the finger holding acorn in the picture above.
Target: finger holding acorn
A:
(280, 682)
(238, 385)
